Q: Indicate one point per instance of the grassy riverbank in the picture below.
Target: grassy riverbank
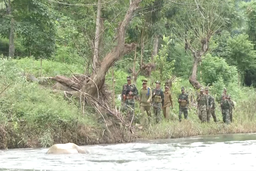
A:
(32, 115)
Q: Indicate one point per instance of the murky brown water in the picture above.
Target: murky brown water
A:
(224, 152)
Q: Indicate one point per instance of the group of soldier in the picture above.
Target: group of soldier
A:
(162, 101)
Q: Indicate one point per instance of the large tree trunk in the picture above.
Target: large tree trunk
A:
(11, 30)
(97, 39)
(155, 47)
(117, 52)
(193, 78)
(11, 39)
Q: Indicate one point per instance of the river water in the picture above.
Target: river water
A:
(222, 152)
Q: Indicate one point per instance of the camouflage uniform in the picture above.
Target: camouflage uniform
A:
(145, 100)
(225, 108)
(202, 103)
(158, 102)
(211, 108)
(183, 104)
(167, 103)
(129, 93)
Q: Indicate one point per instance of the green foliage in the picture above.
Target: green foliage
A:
(251, 21)
(241, 53)
(164, 67)
(182, 60)
(214, 69)
(34, 26)
(48, 68)
(38, 107)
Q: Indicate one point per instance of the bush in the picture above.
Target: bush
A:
(214, 69)
(48, 67)
(40, 109)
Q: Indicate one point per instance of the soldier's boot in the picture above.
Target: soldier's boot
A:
(200, 117)
(180, 117)
(186, 113)
(223, 117)
(214, 118)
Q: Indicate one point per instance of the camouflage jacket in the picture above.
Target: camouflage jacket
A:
(202, 100)
(129, 88)
(183, 100)
(225, 104)
(211, 102)
(158, 96)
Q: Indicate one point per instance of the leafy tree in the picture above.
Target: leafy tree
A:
(33, 23)
(215, 68)
(241, 53)
(195, 22)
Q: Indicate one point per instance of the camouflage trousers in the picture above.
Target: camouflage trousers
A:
(129, 109)
(183, 110)
(211, 112)
(226, 116)
(157, 111)
(231, 115)
(202, 113)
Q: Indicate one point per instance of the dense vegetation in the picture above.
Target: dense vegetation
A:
(190, 43)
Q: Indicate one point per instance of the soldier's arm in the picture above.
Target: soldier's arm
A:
(162, 97)
(140, 95)
(150, 95)
(123, 90)
(135, 91)
(170, 96)
(179, 99)
(187, 99)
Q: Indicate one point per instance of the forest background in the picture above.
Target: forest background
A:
(64, 62)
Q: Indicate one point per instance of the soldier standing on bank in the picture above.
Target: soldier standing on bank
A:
(211, 106)
(202, 105)
(183, 104)
(225, 109)
(129, 93)
(158, 101)
(232, 106)
(167, 103)
(145, 99)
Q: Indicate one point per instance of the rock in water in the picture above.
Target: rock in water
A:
(69, 148)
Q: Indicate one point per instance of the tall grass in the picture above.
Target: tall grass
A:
(32, 114)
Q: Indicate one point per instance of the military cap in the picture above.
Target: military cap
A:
(182, 88)
(129, 78)
(201, 89)
(206, 88)
(225, 89)
(144, 81)
(158, 82)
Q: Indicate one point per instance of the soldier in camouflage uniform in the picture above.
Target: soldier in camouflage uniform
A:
(232, 106)
(202, 105)
(158, 101)
(183, 104)
(129, 93)
(225, 109)
(145, 99)
(211, 106)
